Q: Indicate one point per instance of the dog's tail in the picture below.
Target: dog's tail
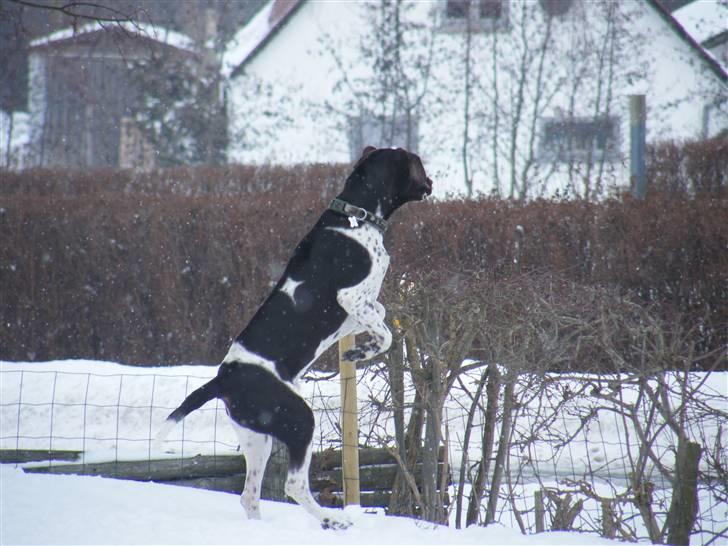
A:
(194, 401)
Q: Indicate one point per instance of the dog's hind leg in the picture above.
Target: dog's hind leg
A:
(256, 448)
(297, 483)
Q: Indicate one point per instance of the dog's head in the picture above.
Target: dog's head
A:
(391, 176)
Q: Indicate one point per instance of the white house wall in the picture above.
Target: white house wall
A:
(286, 106)
(37, 76)
(300, 80)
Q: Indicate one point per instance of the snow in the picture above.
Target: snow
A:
(703, 19)
(169, 37)
(247, 39)
(110, 411)
(38, 509)
(14, 138)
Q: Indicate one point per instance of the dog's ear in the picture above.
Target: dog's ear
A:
(366, 153)
(416, 168)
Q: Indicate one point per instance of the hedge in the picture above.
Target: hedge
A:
(166, 267)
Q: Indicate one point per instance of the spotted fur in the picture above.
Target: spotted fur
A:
(329, 289)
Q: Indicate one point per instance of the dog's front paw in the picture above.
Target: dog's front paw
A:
(354, 355)
(337, 524)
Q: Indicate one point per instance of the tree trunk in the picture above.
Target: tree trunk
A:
(466, 444)
(684, 503)
(402, 502)
(491, 411)
(503, 446)
(432, 509)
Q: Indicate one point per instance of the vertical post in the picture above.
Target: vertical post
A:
(538, 504)
(608, 525)
(684, 503)
(276, 473)
(349, 425)
(638, 135)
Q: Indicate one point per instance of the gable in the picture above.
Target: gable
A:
(686, 37)
(253, 37)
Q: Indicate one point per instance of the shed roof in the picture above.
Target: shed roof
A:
(69, 36)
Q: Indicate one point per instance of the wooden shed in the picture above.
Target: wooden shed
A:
(83, 85)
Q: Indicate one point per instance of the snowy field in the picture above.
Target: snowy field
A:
(110, 411)
(37, 509)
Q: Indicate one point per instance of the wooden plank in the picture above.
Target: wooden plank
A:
(234, 485)
(36, 455)
(372, 478)
(227, 473)
(330, 458)
(326, 460)
(159, 470)
(226, 484)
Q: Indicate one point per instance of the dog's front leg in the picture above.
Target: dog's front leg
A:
(370, 316)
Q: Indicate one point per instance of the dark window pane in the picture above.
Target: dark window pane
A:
(491, 9)
(555, 8)
(457, 9)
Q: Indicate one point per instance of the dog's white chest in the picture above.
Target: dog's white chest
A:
(373, 241)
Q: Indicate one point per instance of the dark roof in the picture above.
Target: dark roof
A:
(711, 61)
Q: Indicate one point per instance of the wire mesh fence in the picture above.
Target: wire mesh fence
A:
(576, 456)
(116, 416)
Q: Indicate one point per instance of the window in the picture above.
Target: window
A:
(580, 139)
(556, 8)
(482, 15)
(457, 9)
(370, 130)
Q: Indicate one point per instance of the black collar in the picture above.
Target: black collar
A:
(363, 215)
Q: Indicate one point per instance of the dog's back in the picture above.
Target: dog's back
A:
(329, 289)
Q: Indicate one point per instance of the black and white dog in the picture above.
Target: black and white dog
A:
(329, 289)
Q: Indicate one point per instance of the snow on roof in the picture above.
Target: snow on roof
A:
(249, 38)
(703, 19)
(159, 34)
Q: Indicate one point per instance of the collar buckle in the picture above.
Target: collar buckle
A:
(357, 212)
(360, 214)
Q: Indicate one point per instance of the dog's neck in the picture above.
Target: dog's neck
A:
(371, 196)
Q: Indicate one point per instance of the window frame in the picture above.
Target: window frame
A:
(368, 129)
(606, 127)
(476, 23)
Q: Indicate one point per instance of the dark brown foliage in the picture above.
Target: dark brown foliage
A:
(166, 267)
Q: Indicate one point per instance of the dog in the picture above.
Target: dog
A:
(328, 290)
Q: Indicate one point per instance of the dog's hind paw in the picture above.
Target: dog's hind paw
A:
(335, 524)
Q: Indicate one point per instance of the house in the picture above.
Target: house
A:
(707, 22)
(517, 98)
(82, 90)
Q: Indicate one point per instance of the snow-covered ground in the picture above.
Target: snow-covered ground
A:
(110, 411)
(38, 509)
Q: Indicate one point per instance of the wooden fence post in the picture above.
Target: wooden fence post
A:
(539, 510)
(276, 472)
(609, 528)
(684, 504)
(349, 425)
(637, 127)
